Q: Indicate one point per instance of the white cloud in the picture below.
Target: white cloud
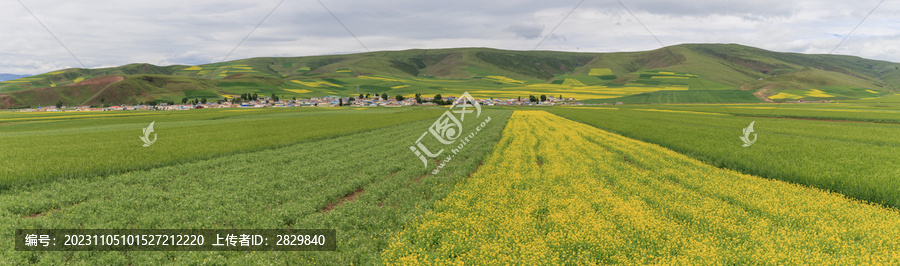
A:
(107, 32)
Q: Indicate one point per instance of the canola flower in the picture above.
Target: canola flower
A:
(504, 80)
(301, 91)
(818, 93)
(785, 95)
(315, 83)
(578, 92)
(560, 192)
(600, 72)
(572, 82)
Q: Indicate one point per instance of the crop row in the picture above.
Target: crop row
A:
(38, 148)
(855, 159)
(886, 113)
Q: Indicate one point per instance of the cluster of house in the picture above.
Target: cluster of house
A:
(327, 101)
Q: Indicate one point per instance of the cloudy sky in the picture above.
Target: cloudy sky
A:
(103, 33)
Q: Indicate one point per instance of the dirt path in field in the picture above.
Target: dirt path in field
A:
(350, 197)
(761, 94)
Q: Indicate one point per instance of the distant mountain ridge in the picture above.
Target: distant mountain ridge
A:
(5, 77)
(681, 73)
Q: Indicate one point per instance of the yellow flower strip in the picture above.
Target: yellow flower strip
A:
(560, 192)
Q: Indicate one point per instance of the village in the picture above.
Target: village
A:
(325, 101)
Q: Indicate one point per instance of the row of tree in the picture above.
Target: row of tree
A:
(533, 99)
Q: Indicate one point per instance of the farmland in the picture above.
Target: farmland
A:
(40, 148)
(627, 184)
(559, 192)
(855, 159)
(365, 184)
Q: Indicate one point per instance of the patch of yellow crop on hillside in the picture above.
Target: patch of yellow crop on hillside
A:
(601, 72)
(399, 87)
(79, 79)
(873, 92)
(504, 80)
(572, 82)
(784, 95)
(56, 72)
(579, 93)
(669, 77)
(301, 91)
(315, 83)
(818, 93)
(193, 68)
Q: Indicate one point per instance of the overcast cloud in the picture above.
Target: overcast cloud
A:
(105, 33)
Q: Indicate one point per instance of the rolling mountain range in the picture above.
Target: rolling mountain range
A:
(5, 76)
(687, 73)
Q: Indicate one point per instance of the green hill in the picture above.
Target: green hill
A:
(681, 73)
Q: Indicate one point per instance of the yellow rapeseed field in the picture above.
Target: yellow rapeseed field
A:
(301, 91)
(600, 72)
(818, 93)
(572, 82)
(504, 80)
(315, 83)
(555, 191)
(578, 92)
(785, 95)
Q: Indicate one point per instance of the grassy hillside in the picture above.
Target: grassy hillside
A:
(484, 72)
